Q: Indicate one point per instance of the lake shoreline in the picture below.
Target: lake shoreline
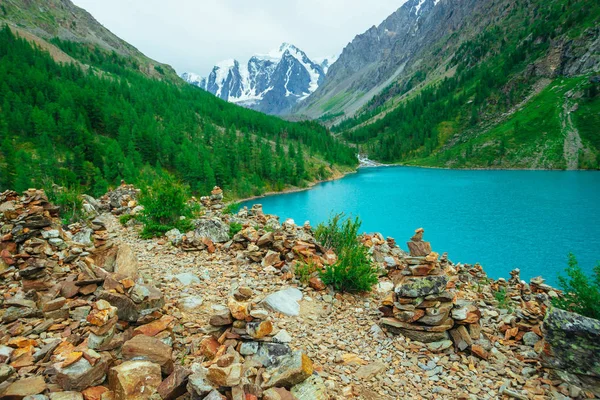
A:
(501, 211)
(338, 176)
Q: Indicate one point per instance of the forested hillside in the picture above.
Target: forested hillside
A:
(522, 92)
(91, 123)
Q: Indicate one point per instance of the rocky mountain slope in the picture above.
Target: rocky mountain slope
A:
(373, 59)
(272, 83)
(455, 84)
(62, 19)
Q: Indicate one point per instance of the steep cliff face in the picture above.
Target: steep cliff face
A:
(381, 54)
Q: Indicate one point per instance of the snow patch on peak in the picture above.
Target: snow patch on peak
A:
(284, 73)
(418, 7)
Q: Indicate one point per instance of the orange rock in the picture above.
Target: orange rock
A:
(72, 358)
(210, 247)
(22, 350)
(209, 347)
(480, 352)
(239, 310)
(316, 283)
(25, 360)
(154, 328)
(127, 283)
(100, 318)
(94, 393)
(21, 342)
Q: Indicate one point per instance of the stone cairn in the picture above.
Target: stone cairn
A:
(121, 200)
(424, 305)
(214, 202)
(241, 338)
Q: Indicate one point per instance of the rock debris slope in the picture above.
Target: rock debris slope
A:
(111, 316)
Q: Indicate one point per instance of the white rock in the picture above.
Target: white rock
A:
(285, 301)
(187, 278)
(190, 303)
(282, 337)
(385, 287)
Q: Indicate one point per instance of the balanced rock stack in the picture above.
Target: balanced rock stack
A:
(423, 306)
(245, 361)
(214, 202)
(122, 200)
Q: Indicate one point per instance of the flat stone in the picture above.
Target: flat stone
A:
(282, 337)
(439, 346)
(198, 384)
(221, 316)
(446, 325)
(25, 387)
(239, 310)
(6, 372)
(461, 338)
(530, 339)
(574, 343)
(188, 279)
(260, 329)
(285, 301)
(94, 393)
(225, 376)
(155, 327)
(368, 371)
(191, 303)
(271, 258)
(126, 263)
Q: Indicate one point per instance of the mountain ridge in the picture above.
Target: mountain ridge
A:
(271, 83)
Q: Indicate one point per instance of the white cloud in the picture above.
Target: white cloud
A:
(192, 35)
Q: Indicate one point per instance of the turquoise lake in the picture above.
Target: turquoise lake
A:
(502, 219)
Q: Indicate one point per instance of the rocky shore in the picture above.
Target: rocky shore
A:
(91, 311)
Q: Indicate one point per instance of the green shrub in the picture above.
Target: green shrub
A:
(303, 271)
(231, 208)
(234, 228)
(502, 299)
(338, 235)
(69, 201)
(125, 218)
(165, 202)
(353, 271)
(581, 293)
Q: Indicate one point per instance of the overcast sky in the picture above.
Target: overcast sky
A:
(192, 35)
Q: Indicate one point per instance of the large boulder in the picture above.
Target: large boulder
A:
(213, 229)
(574, 343)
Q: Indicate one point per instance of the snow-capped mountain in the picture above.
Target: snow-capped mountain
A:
(272, 83)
